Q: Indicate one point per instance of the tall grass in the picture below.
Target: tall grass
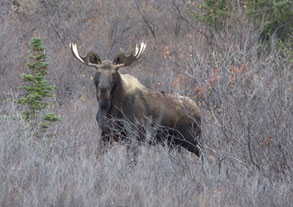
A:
(244, 92)
(64, 168)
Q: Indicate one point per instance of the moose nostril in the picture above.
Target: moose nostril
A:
(103, 91)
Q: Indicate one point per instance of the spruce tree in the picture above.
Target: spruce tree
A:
(36, 87)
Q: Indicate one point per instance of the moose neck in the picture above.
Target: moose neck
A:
(116, 92)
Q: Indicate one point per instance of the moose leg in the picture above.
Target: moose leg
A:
(132, 141)
(189, 142)
(131, 153)
(105, 138)
(103, 143)
(194, 148)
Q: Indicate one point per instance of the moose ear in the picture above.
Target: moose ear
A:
(118, 59)
(92, 58)
(122, 60)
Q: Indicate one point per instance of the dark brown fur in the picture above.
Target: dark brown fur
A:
(128, 110)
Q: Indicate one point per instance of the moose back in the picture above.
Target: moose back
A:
(125, 103)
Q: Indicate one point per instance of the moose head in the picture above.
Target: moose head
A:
(123, 100)
(107, 76)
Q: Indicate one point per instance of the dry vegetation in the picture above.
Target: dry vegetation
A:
(245, 95)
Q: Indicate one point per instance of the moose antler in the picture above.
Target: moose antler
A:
(128, 60)
(91, 59)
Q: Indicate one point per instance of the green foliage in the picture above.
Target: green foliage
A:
(212, 12)
(50, 117)
(37, 88)
(275, 16)
(277, 19)
(286, 49)
(3, 117)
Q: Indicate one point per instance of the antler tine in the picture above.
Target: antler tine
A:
(139, 51)
(122, 60)
(88, 59)
(136, 51)
(75, 52)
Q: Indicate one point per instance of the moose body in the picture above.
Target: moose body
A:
(130, 111)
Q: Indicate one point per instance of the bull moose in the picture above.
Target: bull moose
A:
(171, 119)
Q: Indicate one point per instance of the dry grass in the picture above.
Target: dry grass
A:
(62, 169)
(245, 96)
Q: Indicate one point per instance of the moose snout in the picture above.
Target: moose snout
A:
(104, 92)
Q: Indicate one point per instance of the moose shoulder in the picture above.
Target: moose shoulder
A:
(122, 98)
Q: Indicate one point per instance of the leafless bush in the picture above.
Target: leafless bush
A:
(245, 95)
(62, 169)
(247, 101)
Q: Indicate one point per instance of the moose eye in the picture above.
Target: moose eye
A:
(118, 60)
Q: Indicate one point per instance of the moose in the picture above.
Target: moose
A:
(156, 117)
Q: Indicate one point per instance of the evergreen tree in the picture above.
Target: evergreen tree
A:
(274, 15)
(38, 89)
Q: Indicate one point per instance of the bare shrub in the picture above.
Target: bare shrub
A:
(62, 170)
(247, 103)
(245, 96)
